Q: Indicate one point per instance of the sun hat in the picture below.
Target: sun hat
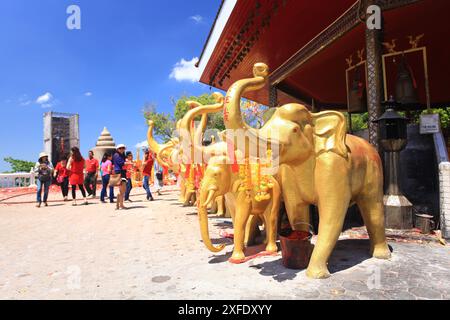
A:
(121, 146)
(43, 154)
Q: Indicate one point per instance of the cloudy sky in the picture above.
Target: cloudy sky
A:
(126, 53)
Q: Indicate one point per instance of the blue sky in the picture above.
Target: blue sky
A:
(122, 57)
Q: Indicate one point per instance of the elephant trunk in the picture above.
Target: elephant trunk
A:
(206, 198)
(160, 158)
(232, 116)
(186, 129)
(153, 145)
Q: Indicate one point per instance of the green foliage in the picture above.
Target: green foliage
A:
(359, 121)
(19, 165)
(181, 108)
(444, 115)
(215, 121)
(164, 122)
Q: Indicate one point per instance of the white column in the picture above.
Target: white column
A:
(444, 186)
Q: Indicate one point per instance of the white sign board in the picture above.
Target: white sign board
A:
(430, 123)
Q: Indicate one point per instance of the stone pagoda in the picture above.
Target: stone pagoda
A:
(105, 143)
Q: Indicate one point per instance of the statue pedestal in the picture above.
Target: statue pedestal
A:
(398, 212)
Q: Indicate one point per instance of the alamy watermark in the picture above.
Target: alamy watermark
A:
(374, 17)
(73, 22)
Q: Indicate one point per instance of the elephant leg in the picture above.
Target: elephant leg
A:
(271, 219)
(332, 217)
(373, 216)
(240, 221)
(220, 206)
(297, 211)
(251, 230)
(182, 193)
(213, 206)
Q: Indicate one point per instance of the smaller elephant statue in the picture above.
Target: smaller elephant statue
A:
(220, 180)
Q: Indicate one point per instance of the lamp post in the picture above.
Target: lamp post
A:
(393, 139)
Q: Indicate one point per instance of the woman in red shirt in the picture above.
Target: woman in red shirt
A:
(62, 177)
(76, 178)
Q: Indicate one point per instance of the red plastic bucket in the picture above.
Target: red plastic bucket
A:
(296, 248)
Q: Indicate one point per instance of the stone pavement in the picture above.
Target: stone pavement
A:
(154, 251)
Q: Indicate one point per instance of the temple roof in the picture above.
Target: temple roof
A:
(278, 31)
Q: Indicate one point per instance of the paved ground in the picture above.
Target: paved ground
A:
(153, 251)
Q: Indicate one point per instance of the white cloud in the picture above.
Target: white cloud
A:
(24, 100)
(186, 71)
(197, 18)
(143, 144)
(44, 99)
(88, 94)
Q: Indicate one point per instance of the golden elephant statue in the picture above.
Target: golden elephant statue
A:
(319, 164)
(220, 180)
(167, 151)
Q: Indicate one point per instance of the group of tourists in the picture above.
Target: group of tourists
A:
(115, 169)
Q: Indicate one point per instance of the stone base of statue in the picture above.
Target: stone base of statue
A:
(398, 212)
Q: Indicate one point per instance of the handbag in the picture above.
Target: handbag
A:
(59, 179)
(114, 180)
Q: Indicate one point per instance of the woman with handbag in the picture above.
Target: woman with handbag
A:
(62, 177)
(76, 177)
(119, 176)
(43, 168)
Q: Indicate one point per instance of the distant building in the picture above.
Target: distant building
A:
(61, 133)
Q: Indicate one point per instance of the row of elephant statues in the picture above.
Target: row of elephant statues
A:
(317, 163)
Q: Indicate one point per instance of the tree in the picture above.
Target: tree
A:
(164, 122)
(19, 165)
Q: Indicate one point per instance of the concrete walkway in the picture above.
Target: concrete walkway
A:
(153, 251)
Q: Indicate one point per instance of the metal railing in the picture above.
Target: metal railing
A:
(17, 180)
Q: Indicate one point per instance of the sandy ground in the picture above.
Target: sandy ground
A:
(154, 251)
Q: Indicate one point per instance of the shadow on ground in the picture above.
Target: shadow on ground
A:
(347, 254)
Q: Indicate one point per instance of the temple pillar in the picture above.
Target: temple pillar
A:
(374, 76)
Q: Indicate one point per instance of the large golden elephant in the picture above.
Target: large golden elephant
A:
(221, 180)
(319, 164)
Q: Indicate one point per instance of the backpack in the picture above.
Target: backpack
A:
(45, 175)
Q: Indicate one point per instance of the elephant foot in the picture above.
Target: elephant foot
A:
(317, 272)
(220, 214)
(271, 247)
(382, 252)
(237, 257)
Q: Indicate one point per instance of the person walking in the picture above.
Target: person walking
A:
(105, 171)
(160, 178)
(90, 181)
(62, 177)
(147, 167)
(118, 162)
(43, 168)
(130, 168)
(76, 167)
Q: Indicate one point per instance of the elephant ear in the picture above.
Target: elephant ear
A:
(330, 130)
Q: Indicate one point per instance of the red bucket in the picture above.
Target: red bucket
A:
(296, 248)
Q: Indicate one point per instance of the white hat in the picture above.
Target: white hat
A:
(121, 146)
(42, 154)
